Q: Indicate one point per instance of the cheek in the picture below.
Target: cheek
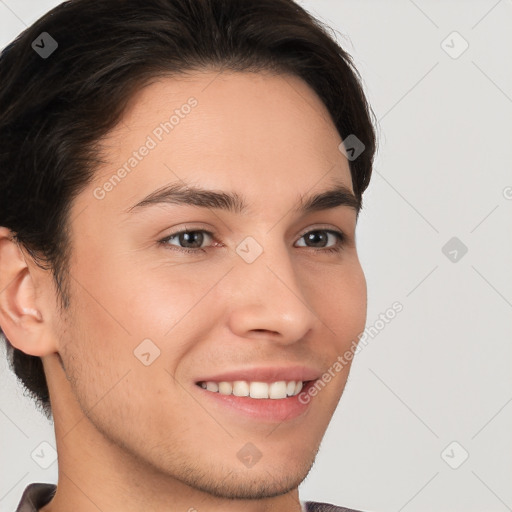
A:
(172, 304)
(124, 319)
(353, 299)
(136, 300)
(339, 297)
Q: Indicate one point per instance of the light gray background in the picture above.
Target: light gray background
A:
(441, 370)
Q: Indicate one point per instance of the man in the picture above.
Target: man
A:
(181, 181)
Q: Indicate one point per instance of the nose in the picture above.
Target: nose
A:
(269, 300)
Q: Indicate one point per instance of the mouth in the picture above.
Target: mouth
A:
(276, 390)
(258, 401)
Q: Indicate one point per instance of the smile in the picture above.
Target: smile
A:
(259, 390)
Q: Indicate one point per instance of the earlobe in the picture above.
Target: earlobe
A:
(33, 312)
(21, 318)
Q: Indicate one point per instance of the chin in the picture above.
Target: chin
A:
(249, 485)
(266, 479)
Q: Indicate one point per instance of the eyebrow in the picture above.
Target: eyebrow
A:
(182, 194)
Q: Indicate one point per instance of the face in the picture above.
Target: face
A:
(261, 292)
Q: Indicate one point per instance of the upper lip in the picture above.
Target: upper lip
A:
(265, 374)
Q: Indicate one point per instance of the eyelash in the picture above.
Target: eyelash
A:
(337, 248)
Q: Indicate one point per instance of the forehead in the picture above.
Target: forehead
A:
(230, 130)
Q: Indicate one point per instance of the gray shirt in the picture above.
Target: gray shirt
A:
(37, 495)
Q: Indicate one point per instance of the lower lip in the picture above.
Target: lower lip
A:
(267, 409)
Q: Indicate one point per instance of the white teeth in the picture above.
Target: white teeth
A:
(240, 388)
(290, 388)
(274, 390)
(225, 388)
(277, 389)
(212, 386)
(258, 390)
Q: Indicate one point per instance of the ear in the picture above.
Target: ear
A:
(22, 315)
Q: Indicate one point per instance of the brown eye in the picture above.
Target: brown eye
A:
(320, 238)
(316, 238)
(187, 240)
(191, 239)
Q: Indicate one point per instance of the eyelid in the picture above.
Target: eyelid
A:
(186, 227)
(322, 227)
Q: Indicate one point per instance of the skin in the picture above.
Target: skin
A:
(139, 435)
